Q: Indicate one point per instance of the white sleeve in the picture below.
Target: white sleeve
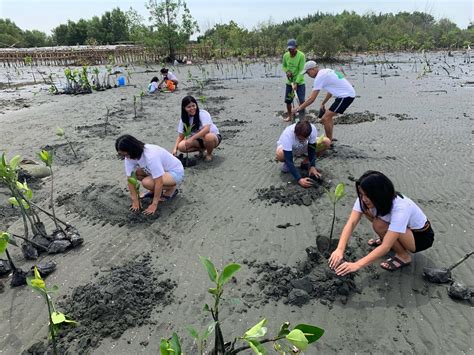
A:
(180, 127)
(205, 118)
(318, 83)
(356, 206)
(171, 76)
(129, 167)
(153, 162)
(285, 141)
(399, 219)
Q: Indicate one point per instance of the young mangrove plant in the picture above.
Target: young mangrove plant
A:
(18, 277)
(142, 95)
(334, 197)
(61, 133)
(285, 341)
(107, 115)
(55, 319)
(187, 133)
(135, 106)
(133, 182)
(29, 61)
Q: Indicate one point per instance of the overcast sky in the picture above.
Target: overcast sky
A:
(44, 15)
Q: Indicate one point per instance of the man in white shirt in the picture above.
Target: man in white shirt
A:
(336, 85)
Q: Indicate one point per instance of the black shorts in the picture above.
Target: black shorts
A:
(424, 237)
(341, 104)
(201, 141)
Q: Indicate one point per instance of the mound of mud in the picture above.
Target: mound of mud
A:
(229, 133)
(105, 203)
(124, 298)
(311, 279)
(63, 154)
(232, 123)
(99, 130)
(356, 117)
(291, 194)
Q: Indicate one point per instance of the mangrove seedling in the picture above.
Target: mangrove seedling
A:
(96, 79)
(29, 61)
(106, 119)
(142, 95)
(135, 106)
(19, 275)
(61, 133)
(334, 197)
(286, 341)
(55, 319)
(134, 185)
(202, 99)
(187, 133)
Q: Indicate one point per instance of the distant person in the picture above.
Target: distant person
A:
(336, 85)
(153, 86)
(293, 64)
(296, 140)
(169, 80)
(401, 226)
(159, 171)
(204, 136)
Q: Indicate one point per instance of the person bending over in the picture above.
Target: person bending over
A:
(159, 171)
(204, 135)
(300, 139)
(400, 224)
(336, 85)
(168, 79)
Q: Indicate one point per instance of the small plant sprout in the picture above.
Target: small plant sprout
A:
(285, 342)
(334, 197)
(56, 319)
(135, 105)
(29, 61)
(202, 99)
(135, 184)
(61, 133)
(187, 133)
(5, 239)
(142, 95)
(107, 115)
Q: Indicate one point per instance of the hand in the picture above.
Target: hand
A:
(289, 74)
(294, 86)
(346, 268)
(175, 151)
(313, 171)
(305, 182)
(151, 209)
(336, 258)
(135, 206)
(294, 111)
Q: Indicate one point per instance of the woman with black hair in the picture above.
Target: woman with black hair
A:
(153, 86)
(400, 224)
(159, 171)
(204, 135)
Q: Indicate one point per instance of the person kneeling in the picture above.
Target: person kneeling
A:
(400, 224)
(298, 139)
(158, 170)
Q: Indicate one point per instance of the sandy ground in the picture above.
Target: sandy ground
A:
(415, 128)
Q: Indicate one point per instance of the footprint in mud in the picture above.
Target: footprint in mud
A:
(233, 123)
(99, 130)
(65, 155)
(229, 133)
(109, 204)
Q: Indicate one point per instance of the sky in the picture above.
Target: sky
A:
(44, 15)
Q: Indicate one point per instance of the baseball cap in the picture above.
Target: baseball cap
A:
(291, 43)
(310, 64)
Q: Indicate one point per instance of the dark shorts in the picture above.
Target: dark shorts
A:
(201, 141)
(424, 237)
(341, 104)
(300, 92)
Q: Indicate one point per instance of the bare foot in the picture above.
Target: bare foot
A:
(208, 157)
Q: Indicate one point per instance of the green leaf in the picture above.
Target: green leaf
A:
(164, 347)
(53, 288)
(206, 308)
(227, 273)
(211, 269)
(311, 332)
(256, 331)
(36, 284)
(175, 344)
(58, 318)
(284, 331)
(339, 192)
(256, 347)
(193, 332)
(210, 328)
(297, 338)
(4, 161)
(59, 132)
(14, 162)
(4, 239)
(213, 291)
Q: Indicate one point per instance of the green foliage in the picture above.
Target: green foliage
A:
(61, 133)
(334, 197)
(4, 238)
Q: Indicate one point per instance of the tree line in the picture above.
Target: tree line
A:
(325, 35)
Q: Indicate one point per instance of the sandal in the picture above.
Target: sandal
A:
(167, 198)
(148, 194)
(394, 263)
(374, 242)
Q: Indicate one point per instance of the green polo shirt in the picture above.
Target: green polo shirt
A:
(295, 65)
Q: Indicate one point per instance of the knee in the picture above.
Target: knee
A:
(182, 146)
(326, 142)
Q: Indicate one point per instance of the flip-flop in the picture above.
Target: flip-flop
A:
(167, 198)
(148, 194)
(394, 263)
(374, 242)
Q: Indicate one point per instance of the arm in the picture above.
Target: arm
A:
(304, 182)
(178, 140)
(309, 101)
(312, 160)
(388, 241)
(338, 254)
(326, 99)
(134, 197)
(156, 196)
(202, 132)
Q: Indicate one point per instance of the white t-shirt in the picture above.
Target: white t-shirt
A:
(152, 87)
(404, 214)
(205, 119)
(334, 83)
(290, 143)
(170, 76)
(155, 161)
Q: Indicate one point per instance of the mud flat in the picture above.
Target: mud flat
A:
(414, 126)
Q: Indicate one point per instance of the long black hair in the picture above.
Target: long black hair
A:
(379, 189)
(130, 145)
(154, 79)
(184, 115)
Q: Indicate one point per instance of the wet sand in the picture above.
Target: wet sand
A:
(240, 208)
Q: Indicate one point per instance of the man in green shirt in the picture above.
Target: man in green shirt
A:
(293, 64)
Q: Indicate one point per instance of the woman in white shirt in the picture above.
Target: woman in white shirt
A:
(204, 136)
(400, 224)
(158, 170)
